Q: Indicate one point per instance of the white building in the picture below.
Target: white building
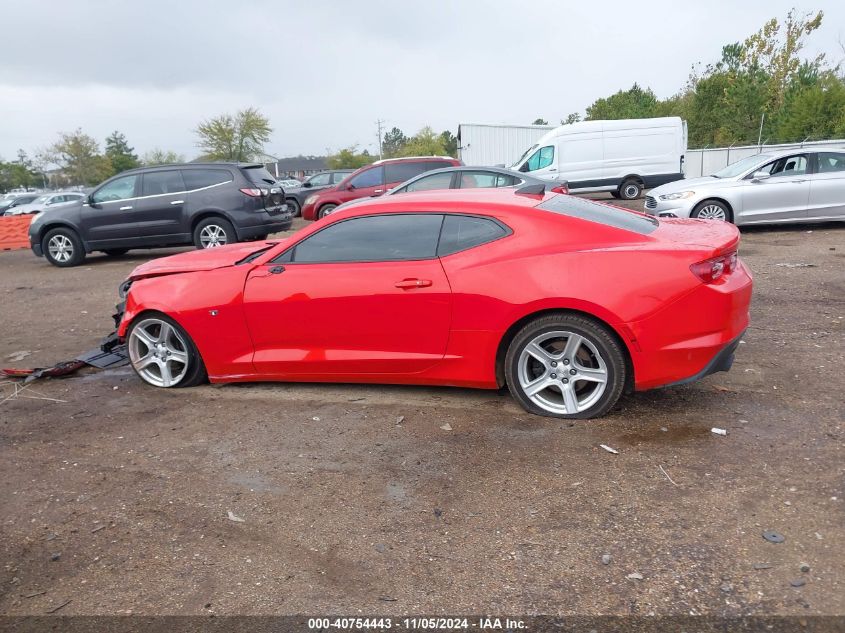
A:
(483, 144)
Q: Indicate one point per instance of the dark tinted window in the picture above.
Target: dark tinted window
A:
(600, 213)
(259, 176)
(400, 172)
(484, 180)
(461, 232)
(201, 178)
(370, 178)
(118, 189)
(159, 182)
(829, 161)
(377, 238)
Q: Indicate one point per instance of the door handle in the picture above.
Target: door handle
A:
(125, 208)
(378, 191)
(405, 284)
(178, 202)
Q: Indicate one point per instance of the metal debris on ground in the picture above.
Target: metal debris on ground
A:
(609, 449)
(773, 537)
(718, 431)
(796, 265)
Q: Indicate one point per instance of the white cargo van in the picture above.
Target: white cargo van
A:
(622, 157)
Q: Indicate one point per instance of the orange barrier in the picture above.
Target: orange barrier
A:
(14, 232)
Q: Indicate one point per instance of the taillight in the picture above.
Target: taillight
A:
(560, 189)
(714, 268)
(255, 193)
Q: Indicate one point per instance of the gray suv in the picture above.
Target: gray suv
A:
(204, 204)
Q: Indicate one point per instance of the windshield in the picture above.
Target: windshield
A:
(526, 153)
(740, 166)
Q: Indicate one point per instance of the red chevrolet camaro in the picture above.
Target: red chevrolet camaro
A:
(567, 301)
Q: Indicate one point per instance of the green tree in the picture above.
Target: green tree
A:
(634, 103)
(814, 111)
(239, 137)
(450, 143)
(572, 117)
(159, 156)
(122, 156)
(393, 142)
(426, 142)
(539, 121)
(78, 155)
(349, 158)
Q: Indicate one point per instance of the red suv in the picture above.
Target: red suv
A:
(371, 180)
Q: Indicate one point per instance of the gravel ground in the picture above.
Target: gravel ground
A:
(116, 496)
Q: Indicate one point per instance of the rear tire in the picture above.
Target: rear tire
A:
(712, 210)
(162, 353)
(213, 232)
(294, 207)
(630, 189)
(325, 210)
(63, 248)
(565, 366)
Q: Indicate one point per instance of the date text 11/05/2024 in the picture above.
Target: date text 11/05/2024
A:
(480, 623)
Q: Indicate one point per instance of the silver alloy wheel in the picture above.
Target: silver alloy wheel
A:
(61, 248)
(562, 372)
(712, 212)
(158, 353)
(212, 236)
(631, 191)
(329, 209)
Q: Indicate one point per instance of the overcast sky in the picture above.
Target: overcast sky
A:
(324, 71)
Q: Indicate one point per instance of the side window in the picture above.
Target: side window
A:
(400, 172)
(543, 157)
(378, 238)
(505, 181)
(370, 178)
(320, 180)
(434, 181)
(202, 178)
(461, 232)
(159, 182)
(336, 178)
(119, 189)
(787, 166)
(477, 180)
(829, 161)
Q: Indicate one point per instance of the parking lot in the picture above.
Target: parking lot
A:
(292, 498)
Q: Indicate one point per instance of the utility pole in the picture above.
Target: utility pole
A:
(379, 125)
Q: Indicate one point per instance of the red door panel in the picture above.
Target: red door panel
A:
(378, 318)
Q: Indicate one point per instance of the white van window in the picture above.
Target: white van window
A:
(543, 157)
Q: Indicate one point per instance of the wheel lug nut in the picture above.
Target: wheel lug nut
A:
(572, 371)
(554, 363)
(566, 361)
(566, 381)
(554, 375)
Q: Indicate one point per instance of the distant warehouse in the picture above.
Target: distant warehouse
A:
(482, 144)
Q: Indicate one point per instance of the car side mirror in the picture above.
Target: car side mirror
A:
(350, 187)
(307, 184)
(523, 168)
(760, 175)
(90, 201)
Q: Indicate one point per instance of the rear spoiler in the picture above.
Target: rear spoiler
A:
(532, 190)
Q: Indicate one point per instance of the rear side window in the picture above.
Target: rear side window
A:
(336, 178)
(369, 178)
(829, 161)
(377, 238)
(600, 213)
(442, 180)
(461, 232)
(201, 178)
(400, 172)
(259, 176)
(158, 182)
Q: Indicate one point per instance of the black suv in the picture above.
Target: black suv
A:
(207, 204)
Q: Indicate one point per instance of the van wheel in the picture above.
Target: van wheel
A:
(615, 194)
(214, 232)
(63, 248)
(630, 189)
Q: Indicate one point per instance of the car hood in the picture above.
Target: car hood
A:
(688, 184)
(200, 260)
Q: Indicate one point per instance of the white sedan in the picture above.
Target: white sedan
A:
(47, 201)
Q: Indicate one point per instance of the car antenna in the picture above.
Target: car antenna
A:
(532, 190)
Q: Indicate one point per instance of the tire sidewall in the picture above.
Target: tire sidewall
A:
(705, 203)
(608, 348)
(625, 185)
(196, 367)
(78, 250)
(326, 209)
(231, 236)
(296, 208)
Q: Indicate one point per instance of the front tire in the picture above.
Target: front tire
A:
(565, 366)
(162, 353)
(325, 210)
(214, 232)
(631, 189)
(63, 248)
(712, 210)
